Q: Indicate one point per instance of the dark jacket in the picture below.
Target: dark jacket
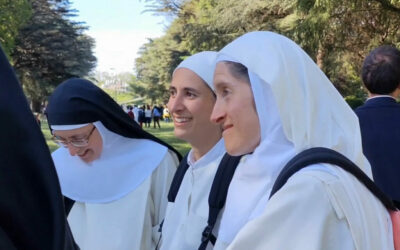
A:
(380, 130)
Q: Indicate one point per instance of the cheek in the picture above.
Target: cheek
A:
(249, 127)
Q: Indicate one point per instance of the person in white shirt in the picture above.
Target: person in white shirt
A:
(274, 102)
(114, 175)
(190, 104)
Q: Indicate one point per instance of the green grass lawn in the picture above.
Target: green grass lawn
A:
(166, 133)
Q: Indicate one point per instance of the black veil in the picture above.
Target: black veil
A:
(31, 207)
(79, 101)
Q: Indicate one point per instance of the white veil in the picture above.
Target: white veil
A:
(298, 108)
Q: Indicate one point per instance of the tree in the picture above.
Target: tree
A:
(336, 34)
(50, 49)
(13, 14)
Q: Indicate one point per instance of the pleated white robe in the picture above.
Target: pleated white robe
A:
(186, 218)
(130, 223)
(313, 211)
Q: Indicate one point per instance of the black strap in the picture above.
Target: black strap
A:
(325, 155)
(177, 180)
(217, 197)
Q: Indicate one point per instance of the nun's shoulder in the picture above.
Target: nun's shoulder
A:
(312, 186)
(167, 166)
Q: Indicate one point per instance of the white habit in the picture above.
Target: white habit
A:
(321, 207)
(313, 211)
(120, 198)
(130, 223)
(186, 218)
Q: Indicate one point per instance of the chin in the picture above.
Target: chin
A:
(181, 134)
(235, 151)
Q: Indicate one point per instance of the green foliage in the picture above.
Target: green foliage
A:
(13, 14)
(354, 101)
(336, 34)
(50, 49)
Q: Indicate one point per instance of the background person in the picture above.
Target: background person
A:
(147, 115)
(130, 112)
(156, 116)
(380, 118)
(116, 175)
(274, 102)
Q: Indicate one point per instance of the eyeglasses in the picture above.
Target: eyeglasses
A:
(79, 143)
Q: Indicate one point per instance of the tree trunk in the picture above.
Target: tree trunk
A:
(320, 56)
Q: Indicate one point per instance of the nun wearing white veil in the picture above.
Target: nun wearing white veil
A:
(274, 102)
(191, 103)
(114, 175)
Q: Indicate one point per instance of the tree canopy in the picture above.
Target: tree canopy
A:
(13, 14)
(49, 48)
(336, 34)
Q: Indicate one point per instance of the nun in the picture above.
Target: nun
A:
(114, 175)
(31, 206)
(272, 103)
(190, 104)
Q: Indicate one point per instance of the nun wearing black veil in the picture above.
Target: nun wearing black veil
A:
(31, 207)
(114, 175)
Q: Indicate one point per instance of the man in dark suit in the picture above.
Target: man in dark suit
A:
(380, 118)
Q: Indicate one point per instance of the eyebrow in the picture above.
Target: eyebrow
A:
(185, 89)
(220, 84)
(191, 89)
(70, 137)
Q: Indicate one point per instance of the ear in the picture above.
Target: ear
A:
(396, 93)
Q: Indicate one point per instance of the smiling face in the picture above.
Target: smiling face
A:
(88, 153)
(235, 111)
(190, 104)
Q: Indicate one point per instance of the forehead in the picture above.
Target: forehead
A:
(72, 132)
(223, 75)
(186, 78)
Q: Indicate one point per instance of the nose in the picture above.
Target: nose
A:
(175, 104)
(218, 114)
(72, 150)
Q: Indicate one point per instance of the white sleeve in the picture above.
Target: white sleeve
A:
(301, 216)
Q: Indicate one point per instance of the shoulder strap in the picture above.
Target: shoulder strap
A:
(325, 155)
(177, 180)
(217, 196)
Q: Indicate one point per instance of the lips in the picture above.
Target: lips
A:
(83, 154)
(182, 119)
(225, 127)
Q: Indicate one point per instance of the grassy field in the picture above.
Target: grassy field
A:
(165, 133)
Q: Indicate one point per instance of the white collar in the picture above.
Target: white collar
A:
(123, 165)
(380, 96)
(213, 153)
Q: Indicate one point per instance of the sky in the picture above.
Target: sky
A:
(120, 28)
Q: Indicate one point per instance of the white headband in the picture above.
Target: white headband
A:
(68, 127)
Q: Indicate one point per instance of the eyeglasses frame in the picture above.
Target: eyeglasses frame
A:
(65, 143)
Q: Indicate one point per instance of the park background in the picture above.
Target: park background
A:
(47, 42)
